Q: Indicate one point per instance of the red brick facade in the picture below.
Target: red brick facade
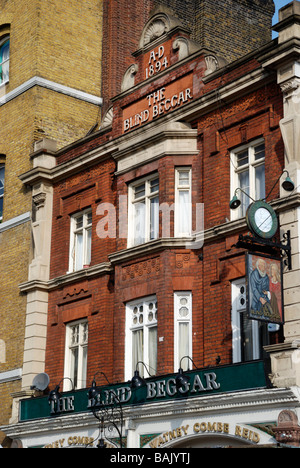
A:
(117, 275)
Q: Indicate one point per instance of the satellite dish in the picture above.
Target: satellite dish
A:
(40, 382)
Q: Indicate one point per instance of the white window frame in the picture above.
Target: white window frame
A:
(2, 166)
(239, 304)
(86, 230)
(251, 166)
(6, 61)
(185, 207)
(130, 367)
(180, 319)
(82, 347)
(146, 198)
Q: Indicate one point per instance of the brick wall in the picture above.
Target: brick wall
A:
(166, 271)
(231, 28)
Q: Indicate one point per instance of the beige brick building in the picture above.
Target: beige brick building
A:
(50, 87)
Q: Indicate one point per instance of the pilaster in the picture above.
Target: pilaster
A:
(39, 268)
(285, 357)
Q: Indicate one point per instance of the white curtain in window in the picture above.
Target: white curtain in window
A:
(183, 344)
(153, 350)
(74, 366)
(184, 218)
(154, 218)
(138, 350)
(139, 223)
(78, 251)
(84, 367)
(88, 246)
(245, 186)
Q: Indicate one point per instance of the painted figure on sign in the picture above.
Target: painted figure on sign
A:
(259, 283)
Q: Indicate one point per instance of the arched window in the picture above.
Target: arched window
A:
(4, 60)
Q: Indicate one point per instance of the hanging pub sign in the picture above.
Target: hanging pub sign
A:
(264, 288)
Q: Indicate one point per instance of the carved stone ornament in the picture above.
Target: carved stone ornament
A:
(213, 63)
(39, 200)
(288, 430)
(107, 119)
(185, 47)
(161, 22)
(290, 87)
(129, 77)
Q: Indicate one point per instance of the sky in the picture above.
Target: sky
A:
(278, 4)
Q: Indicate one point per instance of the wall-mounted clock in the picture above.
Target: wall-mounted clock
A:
(262, 220)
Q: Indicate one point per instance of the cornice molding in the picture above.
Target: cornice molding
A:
(64, 280)
(14, 222)
(59, 88)
(245, 401)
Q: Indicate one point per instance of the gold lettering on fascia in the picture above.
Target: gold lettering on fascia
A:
(205, 427)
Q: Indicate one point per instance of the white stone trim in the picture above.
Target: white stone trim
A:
(38, 81)
(12, 223)
(8, 376)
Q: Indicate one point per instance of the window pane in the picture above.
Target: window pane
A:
(153, 350)
(184, 178)
(154, 218)
(242, 158)
(75, 335)
(76, 357)
(88, 246)
(244, 185)
(184, 216)
(74, 366)
(5, 52)
(138, 350)
(247, 337)
(154, 185)
(85, 333)
(139, 223)
(89, 218)
(183, 344)
(78, 251)
(260, 190)
(5, 72)
(259, 152)
(2, 170)
(82, 384)
(79, 222)
(4, 62)
(139, 191)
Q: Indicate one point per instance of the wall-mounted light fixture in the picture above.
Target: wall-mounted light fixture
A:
(288, 185)
(181, 379)
(93, 390)
(54, 395)
(137, 381)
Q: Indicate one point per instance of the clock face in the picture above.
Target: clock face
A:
(262, 219)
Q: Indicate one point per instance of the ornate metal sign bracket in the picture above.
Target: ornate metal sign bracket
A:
(268, 246)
